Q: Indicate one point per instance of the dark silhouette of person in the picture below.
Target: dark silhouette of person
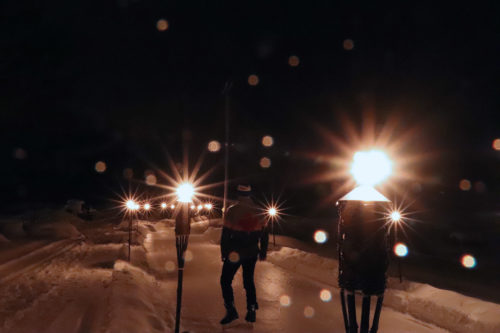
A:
(243, 231)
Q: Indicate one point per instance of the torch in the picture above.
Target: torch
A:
(185, 193)
(362, 240)
(131, 207)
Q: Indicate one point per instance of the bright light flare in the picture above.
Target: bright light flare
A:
(364, 193)
(131, 205)
(208, 206)
(172, 206)
(147, 206)
(272, 212)
(163, 205)
(468, 261)
(185, 192)
(200, 207)
(320, 236)
(395, 216)
(401, 250)
(371, 167)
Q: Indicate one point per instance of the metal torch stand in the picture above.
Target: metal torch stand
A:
(363, 261)
(182, 230)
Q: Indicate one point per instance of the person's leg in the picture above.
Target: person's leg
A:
(248, 283)
(229, 269)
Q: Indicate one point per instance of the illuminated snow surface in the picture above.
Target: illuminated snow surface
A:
(73, 286)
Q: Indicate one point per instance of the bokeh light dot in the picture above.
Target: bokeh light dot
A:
(162, 25)
(465, 185)
(151, 179)
(308, 312)
(170, 266)
(214, 146)
(348, 44)
(128, 173)
(253, 80)
(325, 295)
(401, 250)
(293, 61)
(320, 236)
(496, 144)
(468, 261)
(285, 300)
(100, 167)
(265, 162)
(267, 141)
(188, 256)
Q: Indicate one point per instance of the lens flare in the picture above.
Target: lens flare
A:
(395, 216)
(468, 261)
(285, 301)
(371, 167)
(267, 141)
(401, 250)
(147, 206)
(200, 207)
(131, 205)
(320, 236)
(208, 206)
(325, 295)
(308, 312)
(272, 211)
(163, 205)
(185, 192)
(214, 146)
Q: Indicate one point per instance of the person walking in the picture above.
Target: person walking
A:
(243, 231)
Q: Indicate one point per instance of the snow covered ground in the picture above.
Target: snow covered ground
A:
(78, 286)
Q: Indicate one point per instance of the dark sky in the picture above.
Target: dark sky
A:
(85, 81)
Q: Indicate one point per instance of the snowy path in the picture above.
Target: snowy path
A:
(202, 303)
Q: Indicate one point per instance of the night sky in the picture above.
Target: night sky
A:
(88, 81)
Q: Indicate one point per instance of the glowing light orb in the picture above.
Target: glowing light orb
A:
(265, 162)
(100, 167)
(371, 167)
(401, 250)
(253, 80)
(395, 216)
(293, 61)
(267, 141)
(147, 206)
(348, 44)
(308, 312)
(193, 206)
(272, 211)
(364, 193)
(208, 206)
(468, 261)
(162, 25)
(285, 301)
(325, 295)
(163, 205)
(320, 236)
(200, 207)
(185, 192)
(465, 185)
(213, 146)
(170, 266)
(172, 206)
(496, 144)
(131, 205)
(151, 179)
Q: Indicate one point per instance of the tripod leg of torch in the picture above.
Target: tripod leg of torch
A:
(376, 316)
(344, 310)
(351, 306)
(181, 246)
(365, 314)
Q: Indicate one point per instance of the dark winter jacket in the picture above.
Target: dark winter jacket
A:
(244, 231)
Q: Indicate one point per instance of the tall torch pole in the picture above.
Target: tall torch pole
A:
(227, 87)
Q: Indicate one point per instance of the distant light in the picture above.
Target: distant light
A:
(151, 179)
(185, 192)
(265, 162)
(208, 206)
(253, 80)
(163, 205)
(267, 141)
(162, 25)
(272, 211)
(348, 44)
(100, 167)
(401, 250)
(128, 173)
(308, 312)
(285, 301)
(468, 261)
(320, 236)
(371, 167)
(172, 206)
(214, 146)
(395, 216)
(496, 144)
(147, 206)
(325, 295)
(293, 61)
(465, 185)
(20, 154)
(193, 207)
(131, 205)
(200, 207)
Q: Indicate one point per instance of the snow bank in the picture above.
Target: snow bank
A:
(136, 303)
(447, 309)
(12, 228)
(3, 239)
(213, 235)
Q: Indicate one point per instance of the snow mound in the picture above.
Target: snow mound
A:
(58, 230)
(213, 235)
(447, 309)
(12, 228)
(199, 227)
(3, 239)
(136, 302)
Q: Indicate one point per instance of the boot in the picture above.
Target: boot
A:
(251, 315)
(231, 314)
